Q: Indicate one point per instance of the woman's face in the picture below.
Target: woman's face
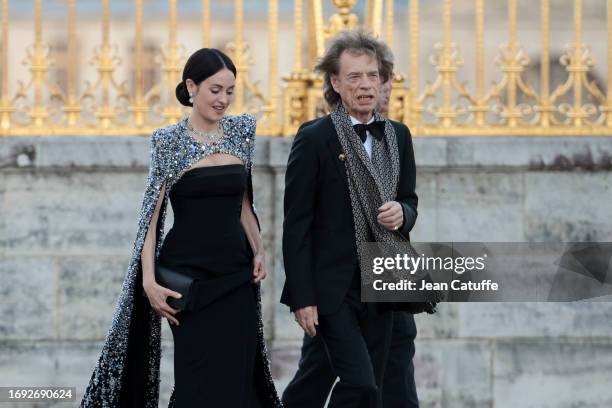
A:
(213, 96)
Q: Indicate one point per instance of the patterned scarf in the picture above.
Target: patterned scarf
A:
(371, 182)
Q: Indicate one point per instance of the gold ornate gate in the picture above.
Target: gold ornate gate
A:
(445, 106)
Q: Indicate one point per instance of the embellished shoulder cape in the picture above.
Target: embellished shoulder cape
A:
(127, 371)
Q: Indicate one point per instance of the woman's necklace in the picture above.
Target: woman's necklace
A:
(208, 137)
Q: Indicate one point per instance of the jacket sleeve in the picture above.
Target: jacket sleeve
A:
(406, 194)
(299, 209)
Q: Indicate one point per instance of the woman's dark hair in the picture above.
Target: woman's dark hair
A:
(202, 64)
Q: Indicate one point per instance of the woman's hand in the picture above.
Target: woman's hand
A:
(259, 267)
(157, 295)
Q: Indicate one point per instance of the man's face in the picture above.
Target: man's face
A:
(358, 84)
(385, 96)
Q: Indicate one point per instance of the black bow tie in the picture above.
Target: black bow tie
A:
(376, 128)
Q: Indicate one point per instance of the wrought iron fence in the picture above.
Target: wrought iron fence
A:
(445, 106)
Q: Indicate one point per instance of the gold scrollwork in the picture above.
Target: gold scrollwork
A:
(445, 105)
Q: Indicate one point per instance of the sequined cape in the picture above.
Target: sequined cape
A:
(127, 371)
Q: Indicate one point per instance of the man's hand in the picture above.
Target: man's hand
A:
(308, 318)
(391, 215)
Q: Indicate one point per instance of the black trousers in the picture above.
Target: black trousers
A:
(399, 388)
(356, 338)
(315, 377)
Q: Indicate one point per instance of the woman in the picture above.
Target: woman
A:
(203, 164)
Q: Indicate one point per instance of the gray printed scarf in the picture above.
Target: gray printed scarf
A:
(371, 183)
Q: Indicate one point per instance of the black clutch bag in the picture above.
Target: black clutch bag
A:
(177, 282)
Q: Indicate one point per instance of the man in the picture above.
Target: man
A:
(315, 377)
(350, 179)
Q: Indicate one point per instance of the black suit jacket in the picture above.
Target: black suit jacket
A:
(319, 248)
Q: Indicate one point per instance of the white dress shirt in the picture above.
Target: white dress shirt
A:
(368, 142)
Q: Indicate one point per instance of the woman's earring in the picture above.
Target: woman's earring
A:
(190, 97)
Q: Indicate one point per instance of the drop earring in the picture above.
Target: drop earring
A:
(190, 97)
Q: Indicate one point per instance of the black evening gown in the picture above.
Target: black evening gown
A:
(215, 343)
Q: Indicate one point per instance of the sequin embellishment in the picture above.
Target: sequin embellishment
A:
(173, 152)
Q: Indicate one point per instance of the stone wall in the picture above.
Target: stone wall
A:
(68, 213)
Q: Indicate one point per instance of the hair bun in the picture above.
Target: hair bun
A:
(201, 65)
(182, 94)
